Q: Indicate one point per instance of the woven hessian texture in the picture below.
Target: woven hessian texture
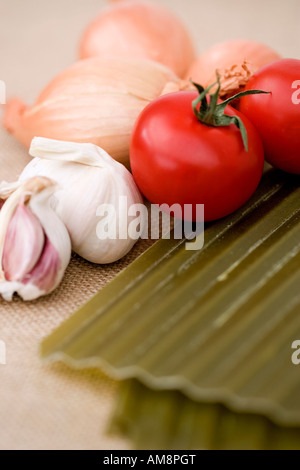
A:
(53, 407)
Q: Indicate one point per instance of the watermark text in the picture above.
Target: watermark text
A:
(123, 220)
(2, 352)
(2, 92)
(296, 94)
(296, 353)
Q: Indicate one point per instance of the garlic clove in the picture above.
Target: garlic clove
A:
(35, 246)
(56, 234)
(45, 271)
(23, 244)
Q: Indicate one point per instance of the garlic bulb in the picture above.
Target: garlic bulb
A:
(139, 29)
(89, 183)
(95, 100)
(35, 246)
(236, 60)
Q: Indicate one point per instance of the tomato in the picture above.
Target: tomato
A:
(277, 116)
(176, 159)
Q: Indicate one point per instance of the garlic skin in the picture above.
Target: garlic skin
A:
(139, 29)
(35, 247)
(95, 101)
(87, 178)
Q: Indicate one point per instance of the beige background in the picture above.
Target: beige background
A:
(44, 407)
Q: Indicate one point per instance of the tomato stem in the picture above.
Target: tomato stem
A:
(212, 113)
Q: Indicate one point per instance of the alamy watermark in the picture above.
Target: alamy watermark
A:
(2, 352)
(296, 354)
(296, 94)
(2, 92)
(123, 220)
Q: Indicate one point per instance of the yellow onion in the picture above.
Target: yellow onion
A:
(95, 100)
(139, 29)
(235, 60)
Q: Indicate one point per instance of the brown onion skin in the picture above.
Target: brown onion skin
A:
(226, 54)
(139, 29)
(95, 100)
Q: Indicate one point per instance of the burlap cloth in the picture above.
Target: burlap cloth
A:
(53, 407)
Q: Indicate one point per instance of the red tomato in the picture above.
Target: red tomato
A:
(175, 159)
(277, 116)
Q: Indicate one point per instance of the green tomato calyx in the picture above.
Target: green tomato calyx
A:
(212, 113)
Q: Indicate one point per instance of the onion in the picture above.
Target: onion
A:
(95, 100)
(142, 30)
(235, 60)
